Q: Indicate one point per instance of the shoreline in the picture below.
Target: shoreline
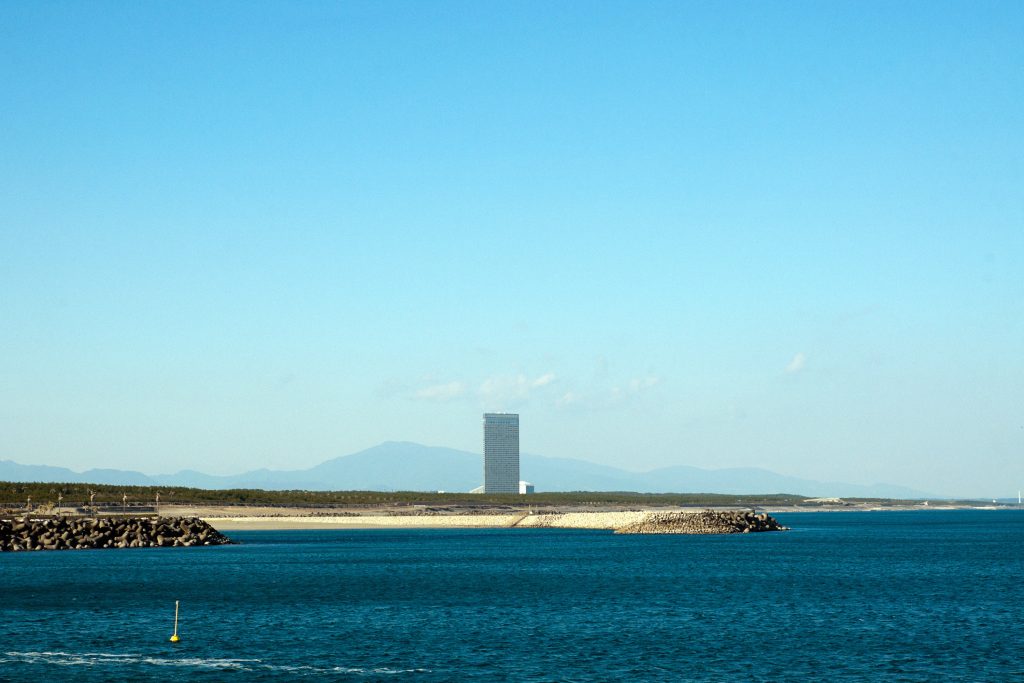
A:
(605, 519)
(78, 533)
(258, 518)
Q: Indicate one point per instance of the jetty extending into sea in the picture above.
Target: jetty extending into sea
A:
(681, 521)
(94, 533)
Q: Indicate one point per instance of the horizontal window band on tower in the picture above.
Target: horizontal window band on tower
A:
(501, 453)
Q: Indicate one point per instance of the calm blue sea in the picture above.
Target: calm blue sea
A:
(900, 596)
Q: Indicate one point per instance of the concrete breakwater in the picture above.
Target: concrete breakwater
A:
(81, 533)
(703, 522)
(677, 521)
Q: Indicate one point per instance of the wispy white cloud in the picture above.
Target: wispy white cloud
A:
(797, 364)
(568, 398)
(513, 387)
(633, 387)
(643, 383)
(503, 391)
(496, 390)
(441, 392)
(544, 380)
(602, 395)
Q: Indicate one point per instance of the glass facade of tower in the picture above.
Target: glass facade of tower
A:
(501, 453)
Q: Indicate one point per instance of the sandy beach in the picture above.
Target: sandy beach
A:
(362, 522)
(276, 518)
(232, 518)
(578, 520)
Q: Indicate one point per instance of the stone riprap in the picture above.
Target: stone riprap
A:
(703, 522)
(85, 533)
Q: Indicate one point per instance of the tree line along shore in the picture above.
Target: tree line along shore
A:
(16, 497)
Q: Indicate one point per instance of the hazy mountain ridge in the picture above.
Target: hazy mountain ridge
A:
(405, 466)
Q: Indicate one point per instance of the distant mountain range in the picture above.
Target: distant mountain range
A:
(404, 466)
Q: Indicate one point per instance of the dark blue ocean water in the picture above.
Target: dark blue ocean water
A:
(900, 596)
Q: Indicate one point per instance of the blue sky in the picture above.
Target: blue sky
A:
(789, 235)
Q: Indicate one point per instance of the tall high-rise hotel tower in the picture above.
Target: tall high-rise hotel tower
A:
(501, 453)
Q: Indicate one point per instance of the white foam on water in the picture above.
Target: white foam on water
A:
(55, 658)
(299, 668)
(377, 671)
(108, 659)
(296, 668)
(202, 663)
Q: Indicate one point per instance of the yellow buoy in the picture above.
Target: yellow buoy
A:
(174, 637)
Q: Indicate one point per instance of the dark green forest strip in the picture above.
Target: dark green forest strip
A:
(16, 494)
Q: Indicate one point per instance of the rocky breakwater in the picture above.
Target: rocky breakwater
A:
(82, 533)
(703, 522)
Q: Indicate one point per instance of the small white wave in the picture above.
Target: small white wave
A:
(355, 671)
(55, 658)
(108, 659)
(114, 659)
(377, 671)
(202, 663)
(53, 653)
(292, 668)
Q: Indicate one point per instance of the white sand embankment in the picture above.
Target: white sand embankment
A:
(365, 522)
(583, 520)
(568, 520)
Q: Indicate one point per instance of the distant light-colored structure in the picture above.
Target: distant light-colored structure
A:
(524, 487)
(501, 453)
